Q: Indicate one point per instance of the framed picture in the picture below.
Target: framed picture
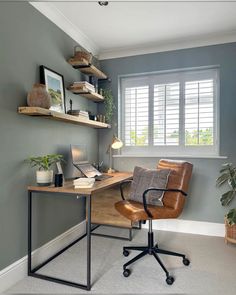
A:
(55, 86)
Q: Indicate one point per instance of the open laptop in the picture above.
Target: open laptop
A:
(80, 161)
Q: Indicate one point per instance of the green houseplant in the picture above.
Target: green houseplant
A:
(228, 177)
(109, 104)
(44, 175)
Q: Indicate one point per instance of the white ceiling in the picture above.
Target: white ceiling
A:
(133, 27)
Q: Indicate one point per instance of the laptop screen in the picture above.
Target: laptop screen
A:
(79, 154)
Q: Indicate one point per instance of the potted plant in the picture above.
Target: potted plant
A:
(44, 175)
(109, 104)
(228, 176)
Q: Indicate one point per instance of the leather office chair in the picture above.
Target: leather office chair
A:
(173, 203)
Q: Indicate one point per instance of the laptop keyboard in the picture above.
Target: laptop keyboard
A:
(102, 177)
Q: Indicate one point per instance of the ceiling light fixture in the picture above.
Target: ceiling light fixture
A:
(103, 3)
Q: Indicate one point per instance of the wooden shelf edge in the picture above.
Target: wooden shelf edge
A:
(78, 62)
(94, 96)
(45, 113)
(86, 68)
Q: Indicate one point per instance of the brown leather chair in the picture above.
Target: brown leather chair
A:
(173, 201)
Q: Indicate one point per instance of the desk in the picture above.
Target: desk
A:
(68, 188)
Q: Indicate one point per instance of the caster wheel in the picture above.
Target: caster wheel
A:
(126, 253)
(126, 273)
(186, 261)
(170, 280)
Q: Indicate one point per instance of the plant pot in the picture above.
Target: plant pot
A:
(44, 177)
(230, 232)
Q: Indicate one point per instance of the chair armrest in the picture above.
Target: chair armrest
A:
(121, 187)
(160, 190)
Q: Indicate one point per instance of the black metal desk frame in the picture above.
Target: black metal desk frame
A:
(88, 195)
(33, 272)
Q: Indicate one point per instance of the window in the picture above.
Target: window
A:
(170, 113)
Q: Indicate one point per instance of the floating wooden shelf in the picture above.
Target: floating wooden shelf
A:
(44, 113)
(86, 93)
(86, 68)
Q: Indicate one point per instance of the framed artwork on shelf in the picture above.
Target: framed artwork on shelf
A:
(55, 86)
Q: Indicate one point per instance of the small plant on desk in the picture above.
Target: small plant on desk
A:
(44, 175)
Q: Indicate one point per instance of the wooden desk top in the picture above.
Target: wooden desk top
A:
(68, 188)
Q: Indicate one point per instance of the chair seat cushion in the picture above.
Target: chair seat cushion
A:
(147, 178)
(134, 211)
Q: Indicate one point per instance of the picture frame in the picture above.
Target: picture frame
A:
(54, 83)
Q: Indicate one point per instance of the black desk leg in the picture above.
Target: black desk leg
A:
(33, 272)
(29, 231)
(88, 229)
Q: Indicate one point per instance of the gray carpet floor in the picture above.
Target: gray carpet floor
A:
(212, 269)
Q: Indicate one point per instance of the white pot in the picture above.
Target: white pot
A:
(44, 177)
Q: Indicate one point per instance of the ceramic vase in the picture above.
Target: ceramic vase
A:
(39, 97)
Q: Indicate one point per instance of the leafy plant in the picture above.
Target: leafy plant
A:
(231, 216)
(109, 104)
(44, 162)
(228, 176)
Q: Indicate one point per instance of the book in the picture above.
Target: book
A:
(84, 182)
(83, 186)
(83, 86)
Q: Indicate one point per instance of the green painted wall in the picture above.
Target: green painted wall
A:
(203, 201)
(27, 40)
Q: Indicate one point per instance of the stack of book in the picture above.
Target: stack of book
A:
(84, 182)
(84, 114)
(82, 86)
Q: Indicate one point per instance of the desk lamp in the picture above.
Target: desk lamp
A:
(115, 144)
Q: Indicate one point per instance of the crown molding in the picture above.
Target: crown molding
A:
(60, 20)
(227, 37)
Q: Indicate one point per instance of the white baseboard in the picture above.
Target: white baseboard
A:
(18, 270)
(189, 226)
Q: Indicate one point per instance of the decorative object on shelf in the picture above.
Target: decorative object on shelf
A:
(101, 118)
(115, 144)
(39, 97)
(228, 176)
(92, 117)
(109, 105)
(71, 103)
(82, 54)
(44, 176)
(55, 86)
(79, 113)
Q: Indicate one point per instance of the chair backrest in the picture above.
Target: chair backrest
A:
(179, 178)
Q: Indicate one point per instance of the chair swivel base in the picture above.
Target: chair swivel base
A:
(151, 250)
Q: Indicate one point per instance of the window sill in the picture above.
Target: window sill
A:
(170, 156)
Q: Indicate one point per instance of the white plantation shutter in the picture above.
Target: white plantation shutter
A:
(199, 112)
(166, 114)
(172, 113)
(136, 116)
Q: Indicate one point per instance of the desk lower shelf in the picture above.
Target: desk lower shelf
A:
(103, 209)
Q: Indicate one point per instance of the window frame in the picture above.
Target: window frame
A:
(165, 77)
